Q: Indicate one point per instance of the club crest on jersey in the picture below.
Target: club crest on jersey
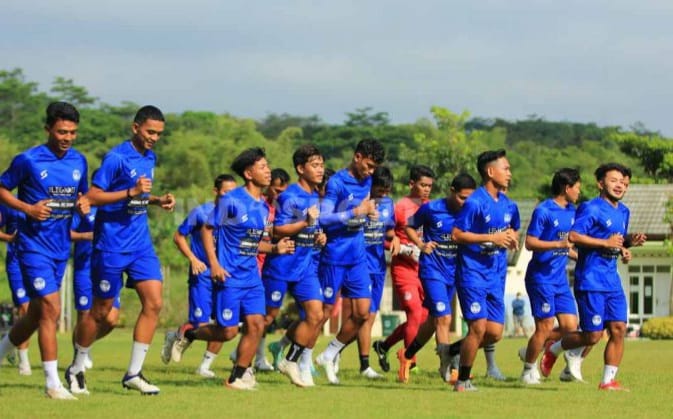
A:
(276, 296)
(20, 293)
(227, 314)
(44, 174)
(385, 213)
(475, 308)
(198, 312)
(76, 175)
(39, 283)
(546, 308)
(104, 285)
(596, 320)
(329, 292)
(83, 300)
(440, 306)
(508, 217)
(407, 296)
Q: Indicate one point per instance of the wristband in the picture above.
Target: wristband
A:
(128, 193)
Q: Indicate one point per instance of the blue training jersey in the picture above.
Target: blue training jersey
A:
(122, 227)
(480, 265)
(375, 235)
(83, 248)
(9, 221)
(514, 224)
(437, 221)
(238, 222)
(292, 206)
(345, 238)
(550, 222)
(191, 227)
(39, 174)
(596, 268)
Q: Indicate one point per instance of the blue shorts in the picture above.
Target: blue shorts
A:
(15, 279)
(233, 303)
(378, 280)
(42, 274)
(352, 280)
(598, 307)
(480, 303)
(548, 300)
(201, 298)
(107, 269)
(306, 289)
(438, 297)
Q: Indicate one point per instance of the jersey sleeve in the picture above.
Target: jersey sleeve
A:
(515, 223)
(584, 219)
(418, 219)
(467, 215)
(537, 222)
(287, 211)
(329, 213)
(83, 186)
(107, 172)
(15, 173)
(194, 220)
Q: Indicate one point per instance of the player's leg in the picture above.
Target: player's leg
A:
(615, 321)
(474, 308)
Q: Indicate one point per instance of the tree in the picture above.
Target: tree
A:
(66, 90)
(362, 117)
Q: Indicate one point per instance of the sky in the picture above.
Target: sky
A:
(608, 62)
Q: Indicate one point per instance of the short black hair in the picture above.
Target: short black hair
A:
(562, 178)
(280, 174)
(628, 172)
(246, 159)
(603, 169)
(382, 177)
(371, 148)
(417, 171)
(148, 112)
(303, 154)
(463, 181)
(224, 177)
(61, 111)
(485, 158)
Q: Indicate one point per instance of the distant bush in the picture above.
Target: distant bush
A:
(658, 328)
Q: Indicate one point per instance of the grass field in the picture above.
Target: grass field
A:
(647, 370)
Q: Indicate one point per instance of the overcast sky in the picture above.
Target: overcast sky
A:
(609, 62)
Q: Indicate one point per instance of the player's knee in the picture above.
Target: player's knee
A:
(617, 330)
(50, 310)
(315, 318)
(153, 306)
(593, 338)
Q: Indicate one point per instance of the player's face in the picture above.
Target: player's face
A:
(275, 188)
(313, 171)
(627, 182)
(499, 173)
(380, 191)
(259, 173)
(612, 185)
(61, 135)
(146, 135)
(363, 166)
(457, 198)
(225, 187)
(421, 188)
(573, 192)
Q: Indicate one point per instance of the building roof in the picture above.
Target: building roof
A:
(648, 207)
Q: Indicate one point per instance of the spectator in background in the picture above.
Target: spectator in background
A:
(518, 312)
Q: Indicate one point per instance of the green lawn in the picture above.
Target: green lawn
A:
(647, 370)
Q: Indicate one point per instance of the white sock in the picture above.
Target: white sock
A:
(284, 341)
(81, 354)
(556, 348)
(6, 346)
(261, 350)
(138, 353)
(527, 366)
(306, 359)
(609, 373)
(333, 349)
(51, 374)
(489, 353)
(23, 357)
(208, 358)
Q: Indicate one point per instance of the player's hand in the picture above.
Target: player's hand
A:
(312, 215)
(83, 205)
(321, 239)
(614, 241)
(167, 201)
(218, 273)
(12, 237)
(285, 246)
(395, 246)
(572, 253)
(143, 185)
(197, 266)
(626, 255)
(502, 239)
(638, 239)
(374, 216)
(39, 210)
(366, 207)
(428, 247)
(565, 243)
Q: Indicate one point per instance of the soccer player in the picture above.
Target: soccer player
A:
(546, 279)
(296, 217)
(404, 266)
(9, 219)
(343, 265)
(51, 179)
(599, 230)
(482, 228)
(379, 233)
(437, 270)
(231, 239)
(200, 282)
(121, 189)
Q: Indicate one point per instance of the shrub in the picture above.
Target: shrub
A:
(658, 328)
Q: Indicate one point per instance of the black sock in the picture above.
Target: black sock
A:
(454, 348)
(237, 372)
(190, 334)
(413, 348)
(294, 352)
(464, 372)
(364, 362)
(383, 346)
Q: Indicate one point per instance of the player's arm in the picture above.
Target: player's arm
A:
(290, 229)
(500, 239)
(8, 238)
(197, 266)
(38, 211)
(165, 201)
(535, 244)
(217, 272)
(392, 242)
(584, 240)
(282, 247)
(77, 236)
